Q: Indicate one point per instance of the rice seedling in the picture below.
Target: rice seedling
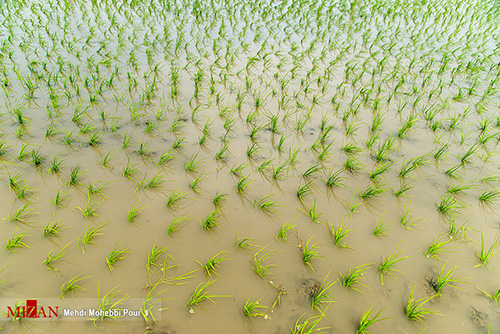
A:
(17, 241)
(23, 154)
(93, 189)
(459, 188)
(452, 172)
(178, 143)
(134, 211)
(449, 205)
(115, 255)
(265, 204)
(72, 284)
(387, 266)
(485, 255)
(150, 303)
(311, 171)
(339, 233)
(281, 292)
(165, 157)
(244, 243)
(155, 182)
(278, 171)
(129, 170)
(354, 277)
(455, 231)
(281, 142)
(489, 196)
(210, 267)
(243, 184)
(443, 280)
(95, 139)
(408, 221)
(174, 225)
(251, 309)
(495, 296)
(320, 294)
(406, 168)
(334, 179)
(258, 262)
(352, 165)
(309, 253)
(314, 214)
(89, 235)
(174, 198)
(439, 153)
(211, 221)
(490, 178)
(105, 160)
(55, 164)
(236, 169)
(371, 192)
(384, 150)
(292, 156)
(52, 229)
(382, 227)
(126, 141)
(74, 176)
(304, 190)
(381, 169)
(36, 158)
(192, 165)
(59, 198)
(201, 294)
(108, 302)
(415, 310)
(90, 209)
(468, 154)
(194, 184)
(21, 214)
(144, 150)
(154, 256)
(218, 199)
(351, 205)
(308, 326)
(350, 148)
(366, 322)
(48, 261)
(221, 155)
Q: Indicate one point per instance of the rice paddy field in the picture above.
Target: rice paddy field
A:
(251, 166)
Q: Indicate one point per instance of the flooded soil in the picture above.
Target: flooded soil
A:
(250, 167)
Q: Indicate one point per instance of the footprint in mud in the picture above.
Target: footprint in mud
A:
(480, 319)
(310, 287)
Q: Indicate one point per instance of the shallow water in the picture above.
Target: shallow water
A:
(296, 72)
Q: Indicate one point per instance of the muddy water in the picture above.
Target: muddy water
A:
(355, 64)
